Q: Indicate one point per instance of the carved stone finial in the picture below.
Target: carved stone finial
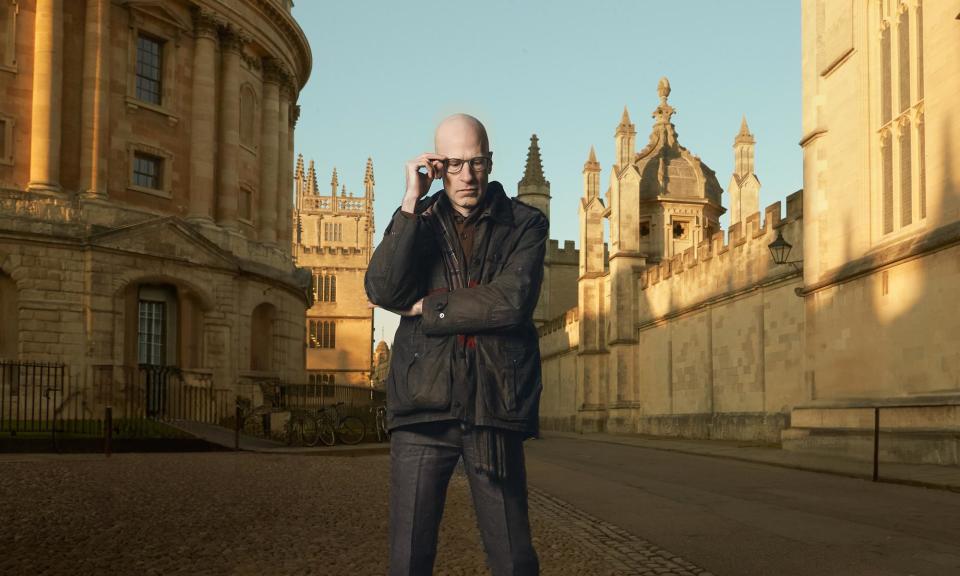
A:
(334, 181)
(231, 39)
(663, 89)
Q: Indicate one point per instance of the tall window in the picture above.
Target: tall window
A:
(324, 287)
(332, 231)
(322, 334)
(151, 333)
(900, 137)
(149, 69)
(6, 140)
(147, 170)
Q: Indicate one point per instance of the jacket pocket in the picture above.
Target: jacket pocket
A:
(423, 381)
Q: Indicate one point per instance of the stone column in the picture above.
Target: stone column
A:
(269, 152)
(228, 192)
(47, 88)
(283, 172)
(95, 121)
(202, 119)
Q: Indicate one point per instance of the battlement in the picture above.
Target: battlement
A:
(569, 254)
(727, 261)
(560, 334)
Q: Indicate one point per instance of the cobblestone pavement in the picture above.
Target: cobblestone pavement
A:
(252, 514)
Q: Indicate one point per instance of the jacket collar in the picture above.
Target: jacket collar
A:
(496, 205)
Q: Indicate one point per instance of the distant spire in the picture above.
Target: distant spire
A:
(368, 182)
(744, 136)
(533, 173)
(334, 182)
(343, 190)
(312, 179)
(592, 165)
(368, 175)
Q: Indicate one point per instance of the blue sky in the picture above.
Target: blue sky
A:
(385, 72)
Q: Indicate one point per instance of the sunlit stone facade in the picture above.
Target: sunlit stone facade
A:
(146, 189)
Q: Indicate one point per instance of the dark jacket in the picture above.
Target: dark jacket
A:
(505, 273)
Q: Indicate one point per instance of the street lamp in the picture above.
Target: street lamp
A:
(780, 249)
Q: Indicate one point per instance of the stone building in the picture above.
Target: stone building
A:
(334, 240)
(146, 190)
(688, 330)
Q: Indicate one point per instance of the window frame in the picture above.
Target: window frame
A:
(135, 148)
(7, 124)
(8, 50)
(163, 26)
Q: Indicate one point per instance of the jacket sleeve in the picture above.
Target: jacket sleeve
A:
(392, 280)
(505, 302)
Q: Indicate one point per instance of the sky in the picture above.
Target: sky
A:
(386, 72)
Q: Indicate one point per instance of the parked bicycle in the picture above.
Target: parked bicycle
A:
(380, 422)
(327, 426)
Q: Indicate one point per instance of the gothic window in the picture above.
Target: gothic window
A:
(325, 288)
(332, 231)
(900, 138)
(248, 116)
(322, 334)
(149, 69)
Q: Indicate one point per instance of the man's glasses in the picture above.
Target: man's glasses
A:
(478, 164)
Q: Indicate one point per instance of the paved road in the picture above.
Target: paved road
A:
(238, 514)
(741, 519)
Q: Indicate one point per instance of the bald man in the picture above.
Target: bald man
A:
(463, 268)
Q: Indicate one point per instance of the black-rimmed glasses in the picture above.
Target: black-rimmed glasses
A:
(478, 164)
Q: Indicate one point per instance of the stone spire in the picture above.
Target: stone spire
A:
(368, 180)
(343, 190)
(298, 174)
(744, 136)
(626, 136)
(334, 183)
(533, 173)
(533, 188)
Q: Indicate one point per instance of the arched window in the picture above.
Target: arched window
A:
(248, 117)
(261, 337)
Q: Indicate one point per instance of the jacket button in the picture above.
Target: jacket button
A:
(441, 314)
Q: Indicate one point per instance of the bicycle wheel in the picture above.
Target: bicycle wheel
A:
(351, 430)
(309, 431)
(325, 431)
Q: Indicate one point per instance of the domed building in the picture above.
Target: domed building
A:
(146, 192)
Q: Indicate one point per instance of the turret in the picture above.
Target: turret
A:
(334, 183)
(312, 180)
(533, 188)
(744, 185)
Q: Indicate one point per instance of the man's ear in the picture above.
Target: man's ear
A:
(490, 155)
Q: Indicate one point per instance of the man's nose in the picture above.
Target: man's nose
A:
(467, 174)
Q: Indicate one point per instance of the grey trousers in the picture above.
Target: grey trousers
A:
(422, 460)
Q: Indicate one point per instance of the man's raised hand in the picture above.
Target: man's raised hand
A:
(418, 183)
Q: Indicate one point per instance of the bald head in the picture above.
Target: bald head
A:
(459, 131)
